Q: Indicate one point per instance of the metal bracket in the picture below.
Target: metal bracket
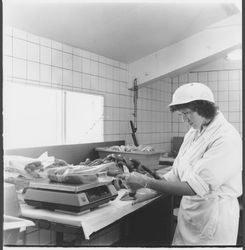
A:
(135, 98)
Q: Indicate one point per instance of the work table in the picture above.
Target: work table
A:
(134, 221)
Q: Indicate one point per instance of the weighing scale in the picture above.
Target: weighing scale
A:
(69, 198)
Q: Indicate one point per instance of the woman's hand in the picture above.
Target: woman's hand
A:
(135, 180)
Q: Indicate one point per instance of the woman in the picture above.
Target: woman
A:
(207, 172)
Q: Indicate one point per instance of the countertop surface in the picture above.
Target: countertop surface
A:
(90, 221)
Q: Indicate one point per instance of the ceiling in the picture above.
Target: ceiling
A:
(122, 31)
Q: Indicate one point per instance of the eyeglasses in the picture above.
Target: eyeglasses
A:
(186, 113)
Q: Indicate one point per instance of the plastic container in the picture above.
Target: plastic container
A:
(11, 203)
(149, 159)
(12, 226)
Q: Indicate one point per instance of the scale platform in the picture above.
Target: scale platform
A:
(69, 198)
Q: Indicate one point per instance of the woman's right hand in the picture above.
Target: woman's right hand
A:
(134, 180)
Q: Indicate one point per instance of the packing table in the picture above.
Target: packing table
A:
(144, 223)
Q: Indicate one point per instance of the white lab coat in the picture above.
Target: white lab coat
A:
(211, 163)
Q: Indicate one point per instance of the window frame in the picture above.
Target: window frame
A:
(61, 136)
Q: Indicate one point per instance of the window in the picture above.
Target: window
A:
(37, 116)
(84, 118)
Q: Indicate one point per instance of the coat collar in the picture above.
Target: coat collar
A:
(211, 128)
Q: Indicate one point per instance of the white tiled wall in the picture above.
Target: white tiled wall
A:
(226, 84)
(154, 117)
(37, 60)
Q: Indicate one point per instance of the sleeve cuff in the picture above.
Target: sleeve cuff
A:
(197, 184)
(170, 176)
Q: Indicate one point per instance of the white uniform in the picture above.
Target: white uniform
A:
(211, 163)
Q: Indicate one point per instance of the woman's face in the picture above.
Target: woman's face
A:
(192, 118)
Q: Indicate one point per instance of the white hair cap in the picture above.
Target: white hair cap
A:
(192, 92)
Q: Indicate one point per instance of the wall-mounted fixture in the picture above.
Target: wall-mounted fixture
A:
(134, 124)
(234, 55)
